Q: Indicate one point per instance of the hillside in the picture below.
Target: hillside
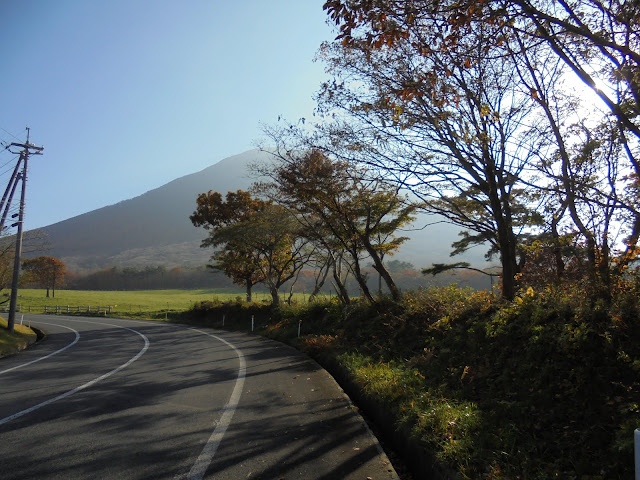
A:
(154, 228)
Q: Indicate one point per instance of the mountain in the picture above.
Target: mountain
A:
(151, 229)
(154, 228)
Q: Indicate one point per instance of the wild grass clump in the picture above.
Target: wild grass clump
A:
(19, 339)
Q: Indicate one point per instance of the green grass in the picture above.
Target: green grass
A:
(16, 341)
(124, 301)
(139, 303)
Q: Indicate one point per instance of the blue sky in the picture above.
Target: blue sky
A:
(127, 95)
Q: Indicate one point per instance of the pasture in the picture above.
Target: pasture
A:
(138, 303)
(124, 302)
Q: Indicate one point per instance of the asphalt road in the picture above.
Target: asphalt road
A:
(122, 399)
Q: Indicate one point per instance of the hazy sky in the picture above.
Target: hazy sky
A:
(127, 95)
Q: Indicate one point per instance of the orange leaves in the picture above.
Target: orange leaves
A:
(407, 95)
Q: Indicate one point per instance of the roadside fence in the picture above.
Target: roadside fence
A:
(60, 309)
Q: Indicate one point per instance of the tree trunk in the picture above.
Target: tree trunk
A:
(557, 250)
(362, 282)
(382, 271)
(249, 286)
(341, 291)
(603, 267)
(501, 212)
(320, 280)
(47, 292)
(275, 296)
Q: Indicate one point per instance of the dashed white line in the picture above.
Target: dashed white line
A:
(49, 355)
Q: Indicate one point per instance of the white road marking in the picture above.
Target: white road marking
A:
(85, 385)
(49, 355)
(199, 468)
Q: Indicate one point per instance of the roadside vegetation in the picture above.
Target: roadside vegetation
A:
(544, 386)
(13, 342)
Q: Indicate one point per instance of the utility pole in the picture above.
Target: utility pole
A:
(27, 149)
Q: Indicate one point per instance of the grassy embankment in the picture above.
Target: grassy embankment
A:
(16, 341)
(547, 386)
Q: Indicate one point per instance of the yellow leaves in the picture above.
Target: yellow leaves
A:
(528, 294)
(397, 112)
(486, 111)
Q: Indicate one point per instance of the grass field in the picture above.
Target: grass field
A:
(35, 300)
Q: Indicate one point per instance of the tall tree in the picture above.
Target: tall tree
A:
(589, 161)
(342, 210)
(47, 272)
(598, 41)
(273, 236)
(236, 258)
(442, 116)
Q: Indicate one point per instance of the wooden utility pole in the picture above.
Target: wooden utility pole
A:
(27, 149)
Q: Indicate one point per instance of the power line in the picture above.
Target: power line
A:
(6, 131)
(26, 150)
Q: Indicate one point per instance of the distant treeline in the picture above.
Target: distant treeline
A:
(160, 278)
(147, 278)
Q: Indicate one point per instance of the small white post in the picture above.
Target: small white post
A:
(299, 325)
(637, 444)
(21, 319)
(252, 323)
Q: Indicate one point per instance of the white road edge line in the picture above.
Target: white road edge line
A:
(86, 385)
(205, 458)
(49, 355)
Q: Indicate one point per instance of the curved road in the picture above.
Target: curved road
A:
(123, 399)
